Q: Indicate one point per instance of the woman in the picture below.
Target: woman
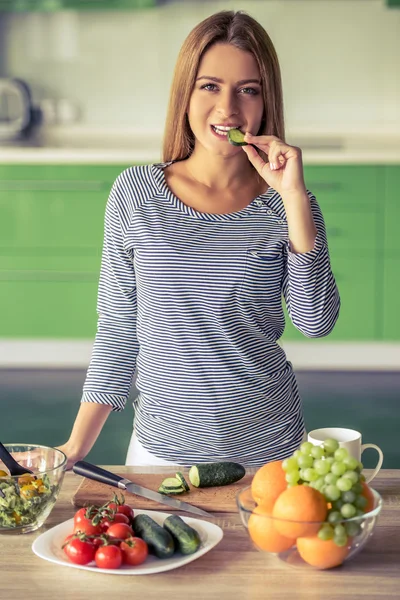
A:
(197, 253)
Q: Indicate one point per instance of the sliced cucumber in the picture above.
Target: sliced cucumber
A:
(236, 137)
(215, 474)
(175, 492)
(186, 539)
(172, 483)
(183, 481)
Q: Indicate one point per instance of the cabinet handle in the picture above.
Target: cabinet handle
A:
(52, 276)
(54, 186)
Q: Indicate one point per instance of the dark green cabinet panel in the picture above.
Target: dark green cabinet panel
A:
(352, 231)
(358, 319)
(392, 209)
(391, 295)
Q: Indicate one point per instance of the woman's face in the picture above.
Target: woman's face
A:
(226, 94)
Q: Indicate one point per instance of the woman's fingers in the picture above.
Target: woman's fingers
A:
(255, 159)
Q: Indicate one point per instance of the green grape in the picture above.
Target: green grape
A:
(310, 474)
(340, 540)
(338, 468)
(335, 516)
(353, 528)
(348, 510)
(330, 446)
(319, 484)
(344, 484)
(340, 454)
(337, 504)
(292, 477)
(317, 452)
(362, 477)
(322, 467)
(361, 502)
(340, 530)
(305, 461)
(330, 460)
(326, 532)
(302, 474)
(352, 475)
(290, 464)
(306, 447)
(349, 497)
(331, 478)
(360, 513)
(357, 488)
(332, 493)
(351, 463)
(296, 454)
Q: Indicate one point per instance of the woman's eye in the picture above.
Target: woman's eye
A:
(211, 87)
(249, 90)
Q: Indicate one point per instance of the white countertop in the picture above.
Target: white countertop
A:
(83, 145)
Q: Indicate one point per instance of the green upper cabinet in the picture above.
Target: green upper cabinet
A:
(56, 5)
(391, 264)
(393, 3)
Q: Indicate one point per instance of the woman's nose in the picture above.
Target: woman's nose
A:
(227, 105)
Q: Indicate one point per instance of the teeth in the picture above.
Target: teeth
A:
(223, 128)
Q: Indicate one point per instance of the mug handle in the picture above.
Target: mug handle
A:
(380, 461)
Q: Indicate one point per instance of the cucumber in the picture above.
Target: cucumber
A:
(236, 137)
(158, 539)
(186, 539)
(215, 474)
(172, 483)
(169, 492)
(183, 481)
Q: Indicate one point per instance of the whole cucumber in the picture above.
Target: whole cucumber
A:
(215, 474)
(185, 537)
(158, 539)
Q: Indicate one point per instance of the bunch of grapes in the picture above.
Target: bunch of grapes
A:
(337, 475)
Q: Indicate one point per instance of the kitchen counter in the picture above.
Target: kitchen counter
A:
(80, 145)
(233, 570)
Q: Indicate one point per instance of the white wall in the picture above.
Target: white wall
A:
(340, 60)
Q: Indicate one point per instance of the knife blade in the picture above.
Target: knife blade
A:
(81, 467)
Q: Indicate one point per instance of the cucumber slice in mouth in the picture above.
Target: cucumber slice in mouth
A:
(236, 137)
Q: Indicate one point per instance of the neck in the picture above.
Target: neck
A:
(220, 172)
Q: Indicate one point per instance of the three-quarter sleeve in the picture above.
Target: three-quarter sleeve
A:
(112, 365)
(309, 286)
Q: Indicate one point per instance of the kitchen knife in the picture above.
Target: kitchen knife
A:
(81, 467)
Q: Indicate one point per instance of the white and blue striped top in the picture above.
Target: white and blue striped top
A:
(194, 302)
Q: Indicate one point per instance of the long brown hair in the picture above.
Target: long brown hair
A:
(243, 32)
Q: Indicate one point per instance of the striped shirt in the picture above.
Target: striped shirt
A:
(193, 301)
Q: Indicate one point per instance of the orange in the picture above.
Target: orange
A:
(297, 506)
(322, 554)
(268, 483)
(367, 493)
(264, 534)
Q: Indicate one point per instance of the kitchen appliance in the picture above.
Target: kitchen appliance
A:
(17, 114)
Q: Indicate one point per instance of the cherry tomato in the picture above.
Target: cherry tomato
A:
(86, 526)
(79, 551)
(107, 521)
(123, 509)
(119, 530)
(134, 551)
(108, 557)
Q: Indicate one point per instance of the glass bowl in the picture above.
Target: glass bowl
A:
(304, 548)
(27, 500)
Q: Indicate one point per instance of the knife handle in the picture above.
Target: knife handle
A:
(81, 467)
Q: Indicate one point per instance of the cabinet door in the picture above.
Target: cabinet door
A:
(353, 232)
(391, 295)
(344, 187)
(358, 318)
(392, 209)
(57, 308)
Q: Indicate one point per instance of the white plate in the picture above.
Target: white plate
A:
(48, 546)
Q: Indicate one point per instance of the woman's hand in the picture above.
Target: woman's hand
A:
(284, 171)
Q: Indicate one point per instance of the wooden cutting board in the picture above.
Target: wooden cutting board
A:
(215, 499)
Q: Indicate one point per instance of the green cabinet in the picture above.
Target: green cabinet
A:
(391, 263)
(351, 203)
(56, 5)
(51, 233)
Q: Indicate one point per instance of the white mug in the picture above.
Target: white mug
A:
(349, 439)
